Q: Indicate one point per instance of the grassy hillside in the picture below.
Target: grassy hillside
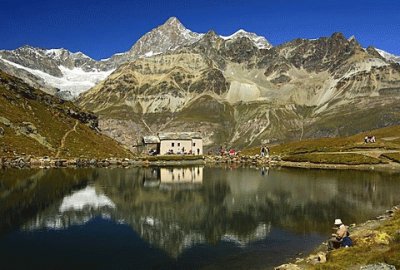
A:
(343, 150)
(34, 123)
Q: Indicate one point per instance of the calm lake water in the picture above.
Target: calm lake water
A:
(178, 218)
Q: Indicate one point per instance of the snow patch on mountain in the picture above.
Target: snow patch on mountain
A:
(109, 58)
(389, 56)
(151, 53)
(55, 53)
(74, 81)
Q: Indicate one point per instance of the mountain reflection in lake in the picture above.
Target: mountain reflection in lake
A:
(178, 218)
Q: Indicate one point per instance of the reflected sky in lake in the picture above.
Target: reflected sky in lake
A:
(179, 218)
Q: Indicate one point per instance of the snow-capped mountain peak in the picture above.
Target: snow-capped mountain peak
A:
(389, 56)
(352, 38)
(238, 33)
(62, 54)
(55, 53)
(173, 21)
(168, 36)
(259, 41)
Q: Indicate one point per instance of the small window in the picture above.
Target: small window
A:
(194, 144)
(172, 144)
(179, 144)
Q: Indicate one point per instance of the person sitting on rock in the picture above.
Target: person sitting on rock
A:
(341, 237)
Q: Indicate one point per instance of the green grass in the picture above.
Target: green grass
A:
(387, 138)
(93, 145)
(328, 150)
(51, 121)
(347, 159)
(120, 112)
(392, 156)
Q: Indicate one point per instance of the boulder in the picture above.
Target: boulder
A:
(60, 162)
(71, 162)
(93, 162)
(370, 237)
(1, 132)
(382, 238)
(5, 121)
(84, 117)
(378, 266)
(28, 128)
(288, 266)
(113, 161)
(320, 257)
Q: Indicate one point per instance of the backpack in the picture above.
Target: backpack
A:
(347, 242)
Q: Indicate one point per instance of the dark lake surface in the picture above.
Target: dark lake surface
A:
(179, 218)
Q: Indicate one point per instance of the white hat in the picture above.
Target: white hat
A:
(338, 221)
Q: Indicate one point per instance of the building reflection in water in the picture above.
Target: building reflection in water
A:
(172, 177)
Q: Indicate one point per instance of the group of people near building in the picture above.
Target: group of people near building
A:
(182, 152)
(225, 152)
(369, 139)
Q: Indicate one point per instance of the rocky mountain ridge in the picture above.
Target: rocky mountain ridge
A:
(237, 90)
(67, 74)
(239, 95)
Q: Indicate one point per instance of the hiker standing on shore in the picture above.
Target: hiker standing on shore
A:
(263, 150)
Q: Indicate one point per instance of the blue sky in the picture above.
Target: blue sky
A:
(100, 28)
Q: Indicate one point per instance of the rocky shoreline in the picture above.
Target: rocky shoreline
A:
(372, 167)
(48, 162)
(33, 162)
(272, 161)
(366, 234)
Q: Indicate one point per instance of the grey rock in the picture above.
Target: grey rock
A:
(84, 117)
(318, 258)
(378, 266)
(28, 128)
(5, 121)
(288, 266)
